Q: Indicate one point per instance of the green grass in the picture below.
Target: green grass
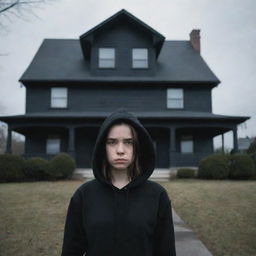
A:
(222, 213)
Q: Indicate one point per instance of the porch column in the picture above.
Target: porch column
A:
(9, 141)
(71, 141)
(235, 140)
(222, 144)
(172, 146)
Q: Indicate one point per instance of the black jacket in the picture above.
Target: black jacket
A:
(103, 220)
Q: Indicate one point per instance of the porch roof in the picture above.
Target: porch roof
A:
(164, 115)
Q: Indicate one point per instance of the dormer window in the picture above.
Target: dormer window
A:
(59, 97)
(140, 58)
(175, 98)
(106, 57)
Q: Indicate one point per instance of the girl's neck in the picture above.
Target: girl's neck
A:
(119, 178)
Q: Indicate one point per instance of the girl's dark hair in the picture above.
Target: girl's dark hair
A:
(134, 169)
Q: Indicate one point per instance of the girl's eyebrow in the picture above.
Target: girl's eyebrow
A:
(117, 139)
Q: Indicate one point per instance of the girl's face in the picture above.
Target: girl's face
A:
(119, 147)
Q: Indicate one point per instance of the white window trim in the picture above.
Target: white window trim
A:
(100, 58)
(140, 59)
(55, 97)
(49, 150)
(174, 98)
(187, 139)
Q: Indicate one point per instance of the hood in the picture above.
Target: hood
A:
(147, 157)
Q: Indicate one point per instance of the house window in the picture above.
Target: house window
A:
(187, 144)
(175, 98)
(59, 96)
(53, 146)
(140, 58)
(106, 57)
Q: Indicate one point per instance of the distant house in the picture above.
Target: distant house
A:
(73, 84)
(244, 143)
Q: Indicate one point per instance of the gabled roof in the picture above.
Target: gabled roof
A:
(86, 38)
(59, 60)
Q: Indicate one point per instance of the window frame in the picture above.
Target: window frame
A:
(175, 98)
(54, 97)
(134, 58)
(100, 66)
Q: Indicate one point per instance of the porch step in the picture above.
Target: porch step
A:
(157, 175)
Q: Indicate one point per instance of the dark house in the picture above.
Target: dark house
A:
(72, 85)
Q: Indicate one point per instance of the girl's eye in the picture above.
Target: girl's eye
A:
(129, 142)
(111, 142)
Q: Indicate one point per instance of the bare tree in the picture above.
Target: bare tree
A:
(10, 5)
(21, 9)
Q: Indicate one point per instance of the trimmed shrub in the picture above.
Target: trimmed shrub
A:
(36, 168)
(186, 173)
(11, 168)
(61, 166)
(241, 167)
(214, 167)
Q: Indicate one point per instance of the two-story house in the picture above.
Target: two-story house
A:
(72, 85)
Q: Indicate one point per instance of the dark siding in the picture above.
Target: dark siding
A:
(197, 99)
(38, 99)
(110, 98)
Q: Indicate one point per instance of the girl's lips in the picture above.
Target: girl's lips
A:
(120, 160)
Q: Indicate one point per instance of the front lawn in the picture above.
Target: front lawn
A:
(222, 213)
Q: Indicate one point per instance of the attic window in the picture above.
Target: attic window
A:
(106, 57)
(140, 58)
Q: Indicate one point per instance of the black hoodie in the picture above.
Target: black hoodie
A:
(103, 220)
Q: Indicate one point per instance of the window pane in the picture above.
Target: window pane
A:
(106, 53)
(53, 146)
(59, 103)
(175, 93)
(140, 58)
(175, 98)
(174, 103)
(140, 63)
(105, 63)
(59, 97)
(59, 92)
(140, 53)
(187, 145)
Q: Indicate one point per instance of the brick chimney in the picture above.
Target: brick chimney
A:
(195, 39)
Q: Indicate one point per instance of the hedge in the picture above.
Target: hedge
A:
(61, 166)
(214, 167)
(241, 167)
(11, 168)
(36, 168)
(186, 173)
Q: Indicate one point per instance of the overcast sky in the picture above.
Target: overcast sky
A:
(228, 40)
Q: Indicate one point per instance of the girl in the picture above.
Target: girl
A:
(120, 212)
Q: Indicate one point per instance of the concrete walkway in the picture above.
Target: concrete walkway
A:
(187, 244)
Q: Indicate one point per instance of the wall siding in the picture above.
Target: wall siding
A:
(109, 98)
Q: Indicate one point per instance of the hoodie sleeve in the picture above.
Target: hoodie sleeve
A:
(74, 234)
(164, 244)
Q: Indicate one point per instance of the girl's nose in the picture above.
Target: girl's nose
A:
(120, 148)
